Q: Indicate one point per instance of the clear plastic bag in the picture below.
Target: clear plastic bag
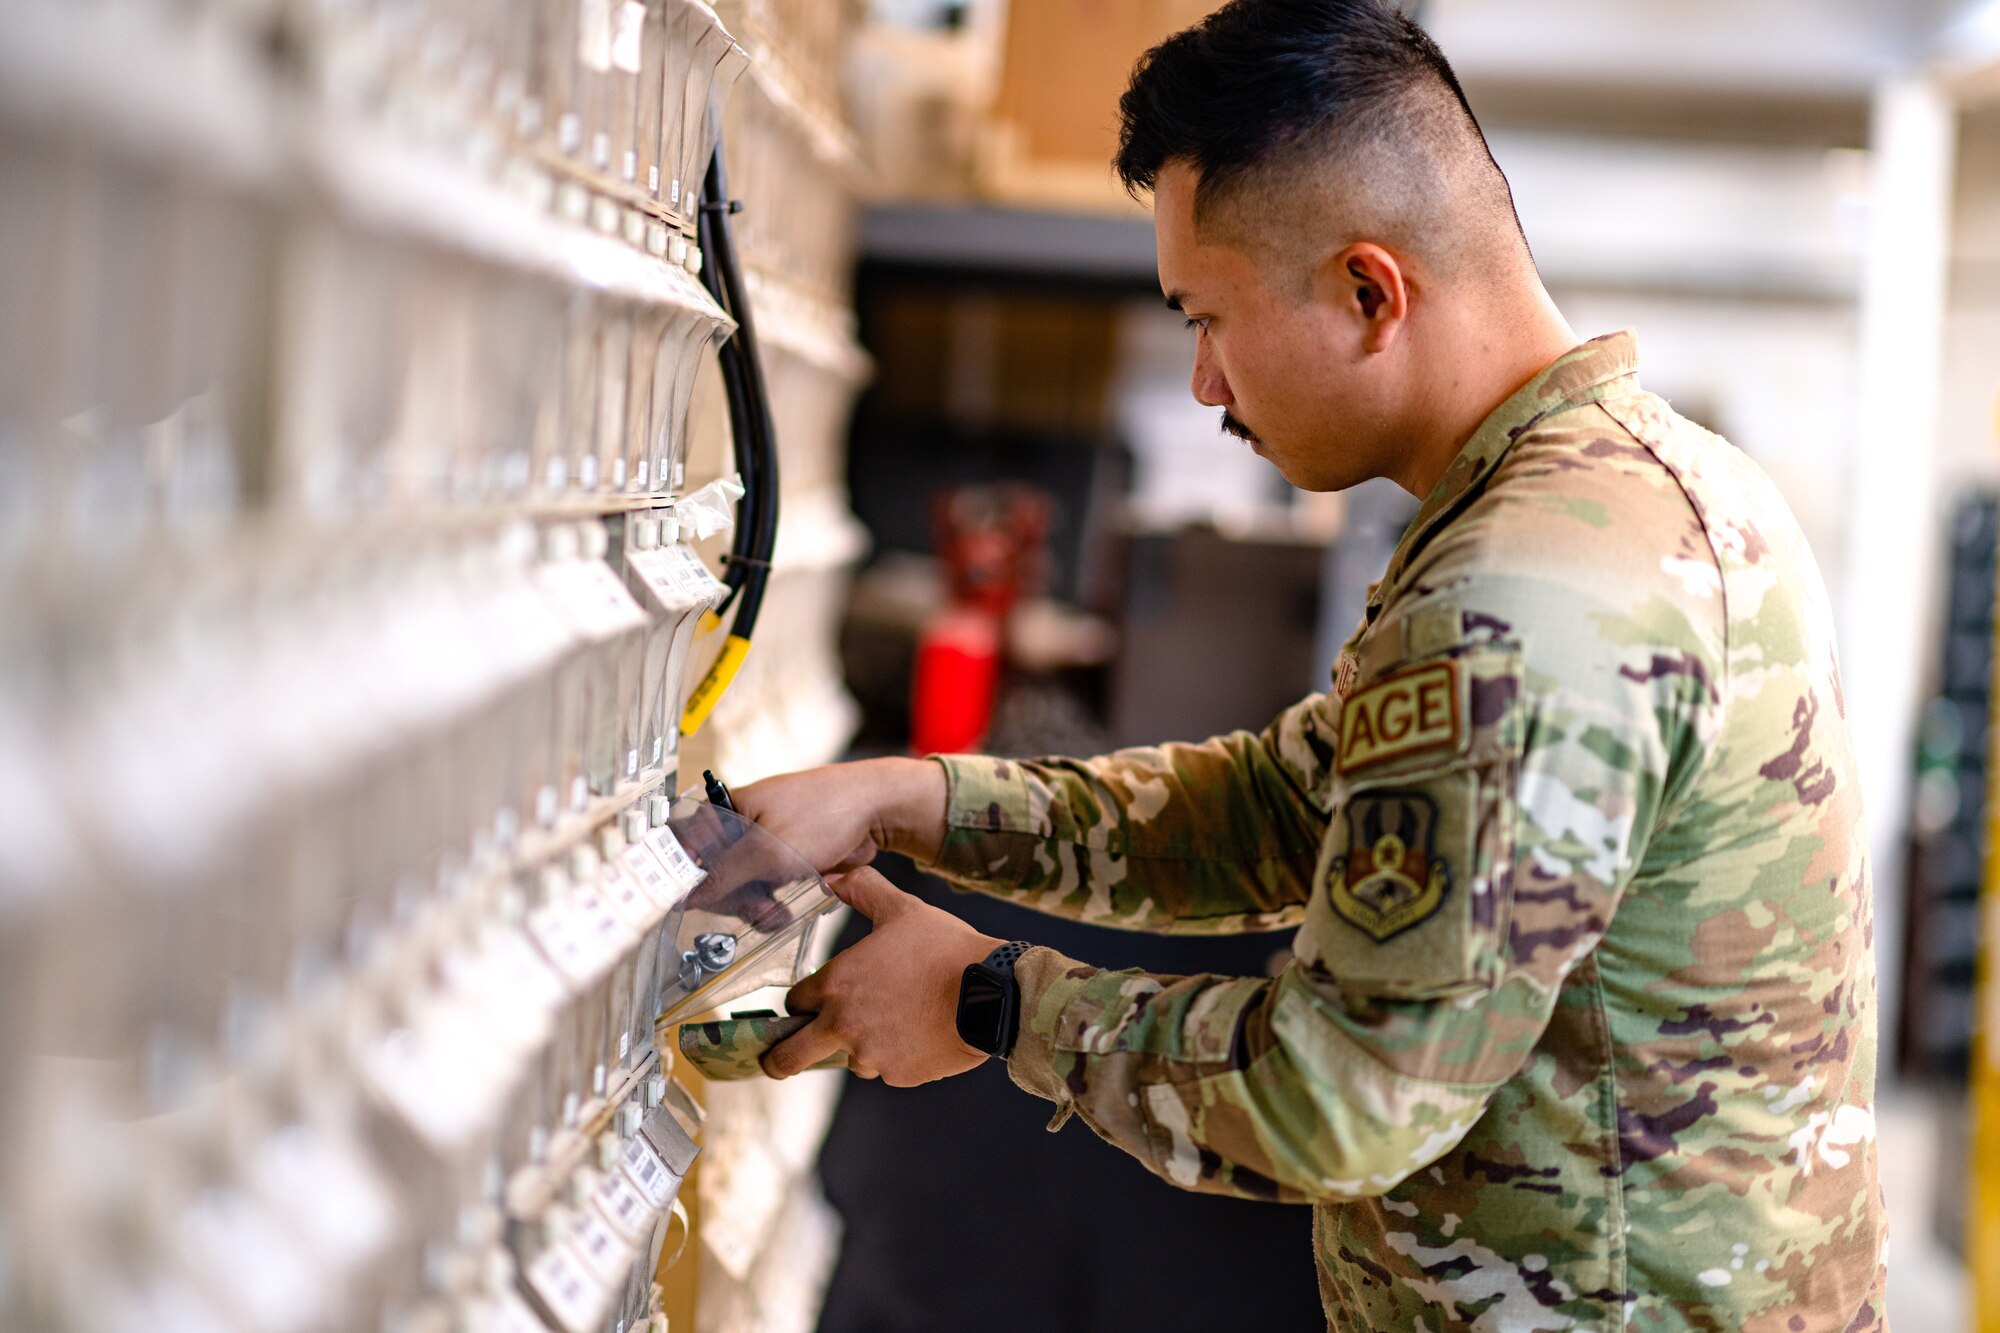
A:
(748, 923)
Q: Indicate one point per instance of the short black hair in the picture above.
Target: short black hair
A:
(1258, 79)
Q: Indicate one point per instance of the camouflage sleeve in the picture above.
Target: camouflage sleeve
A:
(1493, 791)
(1212, 838)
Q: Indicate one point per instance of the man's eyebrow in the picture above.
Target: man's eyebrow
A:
(1174, 299)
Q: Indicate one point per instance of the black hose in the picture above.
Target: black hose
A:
(754, 438)
(751, 429)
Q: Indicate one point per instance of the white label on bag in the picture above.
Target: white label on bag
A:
(611, 936)
(634, 906)
(568, 941)
(689, 574)
(603, 1251)
(647, 1171)
(680, 867)
(677, 577)
(625, 1207)
(576, 1298)
(651, 572)
(644, 869)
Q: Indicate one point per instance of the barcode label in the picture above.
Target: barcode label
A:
(633, 905)
(576, 1298)
(679, 866)
(624, 1206)
(676, 576)
(643, 1165)
(690, 575)
(611, 936)
(603, 1250)
(644, 869)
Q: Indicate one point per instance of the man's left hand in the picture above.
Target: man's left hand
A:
(891, 1001)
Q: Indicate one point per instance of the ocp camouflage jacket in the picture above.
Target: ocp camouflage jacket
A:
(1580, 1031)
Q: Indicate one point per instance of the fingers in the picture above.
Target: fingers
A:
(809, 996)
(867, 892)
(802, 1050)
(754, 800)
(861, 855)
(861, 1071)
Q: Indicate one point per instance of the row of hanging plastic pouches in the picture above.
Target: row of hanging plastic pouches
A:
(302, 816)
(183, 345)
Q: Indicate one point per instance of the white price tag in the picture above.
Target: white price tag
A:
(680, 867)
(625, 1207)
(603, 1251)
(644, 869)
(648, 1172)
(576, 1298)
(628, 25)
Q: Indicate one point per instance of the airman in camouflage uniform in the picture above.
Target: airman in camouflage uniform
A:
(1580, 1033)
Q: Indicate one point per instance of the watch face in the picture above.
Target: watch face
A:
(982, 1009)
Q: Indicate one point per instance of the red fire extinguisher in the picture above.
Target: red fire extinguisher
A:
(992, 541)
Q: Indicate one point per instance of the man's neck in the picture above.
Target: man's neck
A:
(1491, 356)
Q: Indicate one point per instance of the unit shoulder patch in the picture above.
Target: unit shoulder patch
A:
(1392, 877)
(1411, 712)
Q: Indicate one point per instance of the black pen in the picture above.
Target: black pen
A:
(717, 793)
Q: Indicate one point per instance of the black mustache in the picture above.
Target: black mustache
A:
(1233, 426)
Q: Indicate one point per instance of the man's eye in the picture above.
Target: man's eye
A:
(1197, 323)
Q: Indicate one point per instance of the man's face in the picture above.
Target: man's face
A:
(1279, 352)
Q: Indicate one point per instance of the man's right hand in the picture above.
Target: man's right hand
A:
(840, 815)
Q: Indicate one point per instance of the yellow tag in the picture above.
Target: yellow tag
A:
(1402, 715)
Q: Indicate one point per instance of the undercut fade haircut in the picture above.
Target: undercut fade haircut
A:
(1286, 109)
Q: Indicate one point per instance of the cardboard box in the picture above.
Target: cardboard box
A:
(1055, 118)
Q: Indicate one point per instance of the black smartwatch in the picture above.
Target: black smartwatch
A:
(989, 1001)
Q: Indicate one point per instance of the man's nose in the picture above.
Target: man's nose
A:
(1208, 385)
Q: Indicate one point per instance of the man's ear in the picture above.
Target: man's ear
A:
(1365, 283)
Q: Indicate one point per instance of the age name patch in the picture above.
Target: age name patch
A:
(1409, 713)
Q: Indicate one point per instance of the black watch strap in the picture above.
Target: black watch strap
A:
(1003, 958)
